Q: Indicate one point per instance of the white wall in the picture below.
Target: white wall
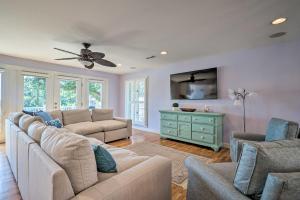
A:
(273, 72)
(10, 84)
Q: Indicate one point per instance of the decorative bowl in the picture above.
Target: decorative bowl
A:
(188, 109)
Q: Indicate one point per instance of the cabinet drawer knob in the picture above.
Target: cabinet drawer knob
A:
(202, 129)
(202, 137)
(169, 131)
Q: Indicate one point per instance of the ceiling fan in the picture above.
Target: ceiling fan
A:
(88, 57)
(192, 78)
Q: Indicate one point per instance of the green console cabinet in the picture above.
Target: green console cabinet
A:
(195, 127)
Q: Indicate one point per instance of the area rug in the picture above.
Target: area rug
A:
(179, 171)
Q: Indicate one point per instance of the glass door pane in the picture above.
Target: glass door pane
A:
(95, 94)
(69, 94)
(34, 94)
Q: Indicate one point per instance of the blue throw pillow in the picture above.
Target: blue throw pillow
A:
(44, 115)
(54, 122)
(277, 130)
(105, 162)
(30, 112)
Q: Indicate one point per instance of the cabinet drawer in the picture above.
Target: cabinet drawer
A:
(202, 119)
(203, 128)
(169, 131)
(170, 124)
(184, 118)
(168, 116)
(184, 130)
(202, 137)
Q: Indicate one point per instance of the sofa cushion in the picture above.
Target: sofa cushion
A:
(125, 159)
(102, 114)
(15, 117)
(74, 154)
(105, 162)
(26, 120)
(277, 129)
(259, 159)
(85, 128)
(35, 130)
(56, 114)
(76, 116)
(110, 125)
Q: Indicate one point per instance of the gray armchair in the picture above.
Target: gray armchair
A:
(278, 129)
(274, 178)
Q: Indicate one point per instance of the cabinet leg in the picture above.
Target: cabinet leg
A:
(216, 149)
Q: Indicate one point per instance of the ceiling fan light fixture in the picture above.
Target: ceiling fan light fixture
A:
(86, 62)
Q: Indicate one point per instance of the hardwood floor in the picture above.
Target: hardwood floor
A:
(9, 190)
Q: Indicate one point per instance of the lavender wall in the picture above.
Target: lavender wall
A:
(273, 72)
(113, 79)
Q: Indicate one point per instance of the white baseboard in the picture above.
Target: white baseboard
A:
(226, 145)
(146, 129)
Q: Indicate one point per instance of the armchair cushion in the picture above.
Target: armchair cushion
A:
(277, 129)
(237, 140)
(259, 159)
(282, 186)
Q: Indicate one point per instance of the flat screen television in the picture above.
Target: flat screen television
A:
(195, 85)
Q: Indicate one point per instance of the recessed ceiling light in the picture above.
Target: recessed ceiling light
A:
(163, 53)
(119, 65)
(279, 20)
(132, 67)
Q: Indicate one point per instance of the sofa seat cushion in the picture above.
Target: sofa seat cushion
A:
(85, 128)
(76, 116)
(74, 154)
(35, 130)
(125, 159)
(110, 125)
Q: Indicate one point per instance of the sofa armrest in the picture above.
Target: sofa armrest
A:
(148, 180)
(204, 182)
(282, 186)
(248, 136)
(236, 143)
(128, 121)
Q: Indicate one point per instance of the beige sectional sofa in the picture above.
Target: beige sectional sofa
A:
(99, 123)
(57, 164)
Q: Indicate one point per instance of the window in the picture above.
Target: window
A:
(95, 94)
(135, 101)
(34, 93)
(69, 94)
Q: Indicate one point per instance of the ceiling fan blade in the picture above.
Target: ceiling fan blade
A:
(67, 51)
(96, 55)
(67, 58)
(105, 62)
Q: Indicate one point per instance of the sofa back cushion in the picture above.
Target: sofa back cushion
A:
(74, 154)
(102, 114)
(26, 120)
(76, 116)
(259, 159)
(35, 130)
(14, 117)
(280, 129)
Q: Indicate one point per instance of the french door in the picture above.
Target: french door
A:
(67, 93)
(135, 101)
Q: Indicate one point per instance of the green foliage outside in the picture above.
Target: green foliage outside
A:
(95, 91)
(68, 93)
(34, 93)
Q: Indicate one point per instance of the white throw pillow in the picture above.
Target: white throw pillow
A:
(74, 154)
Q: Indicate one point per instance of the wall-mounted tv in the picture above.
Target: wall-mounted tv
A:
(195, 85)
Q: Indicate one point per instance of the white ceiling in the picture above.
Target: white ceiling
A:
(128, 31)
